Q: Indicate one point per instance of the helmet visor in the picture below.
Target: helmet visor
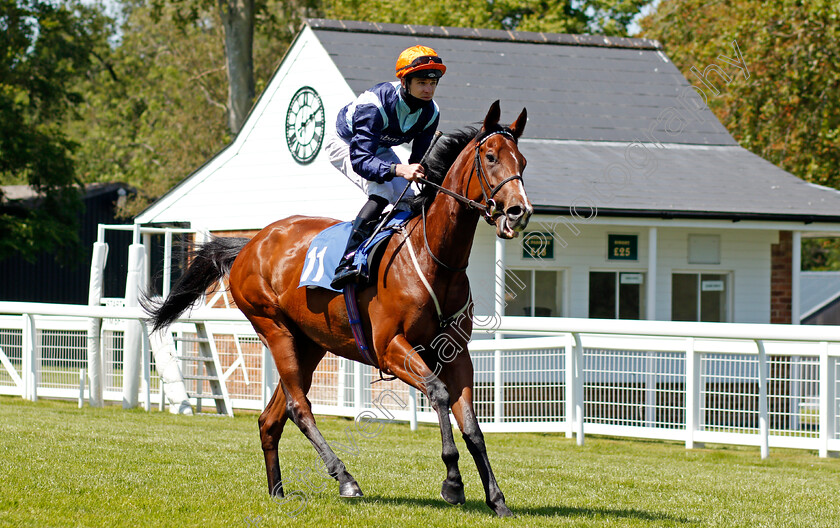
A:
(422, 63)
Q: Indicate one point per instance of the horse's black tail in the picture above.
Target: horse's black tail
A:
(210, 262)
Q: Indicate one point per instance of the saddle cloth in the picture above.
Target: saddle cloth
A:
(327, 248)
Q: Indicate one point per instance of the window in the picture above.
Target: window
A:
(703, 249)
(616, 295)
(699, 297)
(534, 293)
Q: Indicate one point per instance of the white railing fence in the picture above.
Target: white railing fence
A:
(744, 384)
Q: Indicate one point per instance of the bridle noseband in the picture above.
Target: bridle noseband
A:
(490, 211)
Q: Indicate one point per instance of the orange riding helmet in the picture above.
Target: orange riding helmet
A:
(421, 61)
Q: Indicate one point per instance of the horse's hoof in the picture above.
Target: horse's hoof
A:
(350, 490)
(501, 510)
(453, 493)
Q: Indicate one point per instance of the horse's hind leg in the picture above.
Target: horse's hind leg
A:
(295, 364)
(273, 419)
(271, 422)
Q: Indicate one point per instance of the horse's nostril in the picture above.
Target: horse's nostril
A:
(514, 211)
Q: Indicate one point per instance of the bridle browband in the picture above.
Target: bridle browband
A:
(489, 210)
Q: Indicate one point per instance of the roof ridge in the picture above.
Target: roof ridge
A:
(530, 37)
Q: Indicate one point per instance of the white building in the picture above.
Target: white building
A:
(645, 206)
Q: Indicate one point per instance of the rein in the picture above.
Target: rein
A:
(489, 207)
(489, 210)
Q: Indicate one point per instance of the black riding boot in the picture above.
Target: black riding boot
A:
(363, 227)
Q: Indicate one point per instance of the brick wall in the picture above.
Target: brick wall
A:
(247, 234)
(781, 281)
(220, 303)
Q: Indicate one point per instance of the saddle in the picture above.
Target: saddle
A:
(326, 249)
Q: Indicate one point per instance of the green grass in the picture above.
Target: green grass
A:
(63, 466)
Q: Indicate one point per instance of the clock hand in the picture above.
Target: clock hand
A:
(309, 118)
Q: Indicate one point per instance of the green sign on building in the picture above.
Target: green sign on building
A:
(536, 245)
(622, 247)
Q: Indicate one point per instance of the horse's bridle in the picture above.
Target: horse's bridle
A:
(489, 210)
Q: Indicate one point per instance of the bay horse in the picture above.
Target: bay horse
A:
(475, 170)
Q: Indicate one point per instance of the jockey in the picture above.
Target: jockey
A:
(389, 114)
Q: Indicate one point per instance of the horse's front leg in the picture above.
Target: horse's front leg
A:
(405, 363)
(458, 376)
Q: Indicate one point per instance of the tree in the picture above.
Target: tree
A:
(44, 46)
(238, 19)
(154, 107)
(240, 16)
(155, 102)
(610, 17)
(788, 111)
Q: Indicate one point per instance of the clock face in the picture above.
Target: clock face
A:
(305, 125)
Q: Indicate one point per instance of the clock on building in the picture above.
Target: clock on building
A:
(305, 125)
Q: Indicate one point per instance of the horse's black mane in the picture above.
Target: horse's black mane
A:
(440, 158)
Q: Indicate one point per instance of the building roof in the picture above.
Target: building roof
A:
(27, 193)
(671, 181)
(612, 124)
(582, 87)
(819, 289)
(589, 98)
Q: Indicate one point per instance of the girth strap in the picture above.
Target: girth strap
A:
(356, 324)
(358, 331)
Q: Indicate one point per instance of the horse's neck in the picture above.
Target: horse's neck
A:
(450, 227)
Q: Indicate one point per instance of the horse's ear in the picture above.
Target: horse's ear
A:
(492, 119)
(518, 127)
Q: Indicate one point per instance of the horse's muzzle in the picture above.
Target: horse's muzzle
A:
(513, 221)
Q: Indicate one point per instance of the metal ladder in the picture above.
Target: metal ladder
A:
(207, 356)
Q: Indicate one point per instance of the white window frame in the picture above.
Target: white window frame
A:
(561, 283)
(642, 292)
(729, 290)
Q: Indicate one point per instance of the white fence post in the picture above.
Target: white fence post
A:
(827, 396)
(571, 384)
(147, 372)
(763, 416)
(498, 310)
(81, 388)
(795, 392)
(357, 387)
(412, 409)
(29, 351)
(267, 376)
(578, 388)
(341, 399)
(498, 388)
(96, 369)
(692, 393)
(133, 339)
(650, 388)
(167, 263)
